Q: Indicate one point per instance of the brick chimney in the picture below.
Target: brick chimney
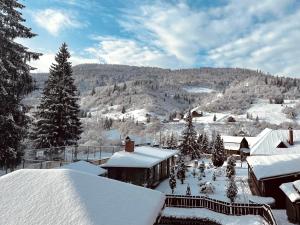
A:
(291, 136)
(129, 145)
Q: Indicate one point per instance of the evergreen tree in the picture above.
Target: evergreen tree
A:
(218, 154)
(188, 190)
(172, 142)
(189, 144)
(57, 117)
(123, 110)
(215, 118)
(205, 144)
(232, 190)
(15, 82)
(172, 180)
(230, 169)
(181, 168)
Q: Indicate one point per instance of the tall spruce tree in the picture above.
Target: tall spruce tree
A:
(218, 154)
(15, 81)
(189, 144)
(57, 117)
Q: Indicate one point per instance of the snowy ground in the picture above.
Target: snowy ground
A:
(218, 217)
(281, 217)
(197, 89)
(271, 112)
(220, 184)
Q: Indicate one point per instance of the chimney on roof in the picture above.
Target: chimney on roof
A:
(129, 145)
(291, 136)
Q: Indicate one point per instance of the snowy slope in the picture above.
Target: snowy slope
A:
(271, 112)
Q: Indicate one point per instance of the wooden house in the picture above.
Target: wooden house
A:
(292, 193)
(196, 114)
(267, 173)
(275, 142)
(235, 145)
(143, 165)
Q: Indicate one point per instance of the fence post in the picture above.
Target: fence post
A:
(88, 152)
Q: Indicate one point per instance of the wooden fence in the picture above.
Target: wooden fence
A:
(235, 209)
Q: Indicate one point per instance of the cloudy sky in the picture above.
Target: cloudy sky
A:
(256, 34)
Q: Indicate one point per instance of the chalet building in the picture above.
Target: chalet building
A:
(235, 145)
(292, 193)
(69, 197)
(267, 173)
(144, 165)
(196, 114)
(275, 142)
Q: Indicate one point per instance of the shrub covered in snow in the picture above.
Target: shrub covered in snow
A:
(207, 188)
(232, 189)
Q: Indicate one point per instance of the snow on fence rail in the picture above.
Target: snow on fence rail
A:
(235, 209)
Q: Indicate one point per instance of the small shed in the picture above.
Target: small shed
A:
(235, 145)
(196, 114)
(292, 193)
(143, 165)
(267, 173)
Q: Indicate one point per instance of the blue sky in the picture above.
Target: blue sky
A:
(253, 34)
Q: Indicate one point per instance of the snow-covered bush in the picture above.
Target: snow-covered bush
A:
(232, 189)
(207, 188)
(230, 169)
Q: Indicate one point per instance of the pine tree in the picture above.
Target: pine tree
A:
(15, 82)
(172, 180)
(57, 117)
(204, 146)
(189, 144)
(230, 169)
(181, 168)
(218, 152)
(215, 118)
(232, 190)
(172, 142)
(123, 110)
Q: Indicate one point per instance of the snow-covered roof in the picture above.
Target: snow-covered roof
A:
(274, 165)
(85, 167)
(269, 139)
(232, 142)
(291, 190)
(142, 157)
(232, 139)
(63, 196)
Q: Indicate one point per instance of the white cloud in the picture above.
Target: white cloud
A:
(45, 61)
(240, 33)
(55, 20)
(124, 51)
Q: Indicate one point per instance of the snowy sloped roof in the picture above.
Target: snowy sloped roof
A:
(232, 146)
(232, 139)
(85, 167)
(268, 141)
(274, 165)
(63, 196)
(142, 157)
(291, 190)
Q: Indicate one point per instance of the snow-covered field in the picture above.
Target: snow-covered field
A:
(220, 218)
(196, 89)
(271, 112)
(220, 184)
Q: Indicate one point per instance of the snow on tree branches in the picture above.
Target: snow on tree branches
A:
(58, 121)
(15, 81)
(218, 154)
(189, 144)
